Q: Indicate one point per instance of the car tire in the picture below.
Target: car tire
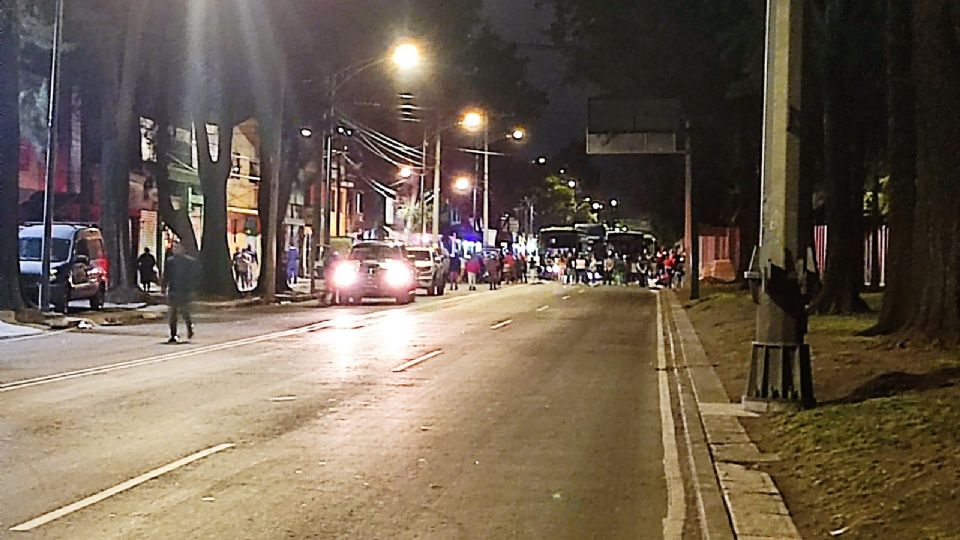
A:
(63, 306)
(97, 301)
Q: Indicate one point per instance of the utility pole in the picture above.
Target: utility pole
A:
(423, 187)
(49, 184)
(692, 232)
(486, 177)
(436, 192)
(780, 371)
(271, 230)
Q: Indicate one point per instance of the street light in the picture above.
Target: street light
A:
(473, 120)
(572, 184)
(518, 134)
(542, 160)
(406, 172)
(406, 56)
(614, 203)
(306, 132)
(462, 184)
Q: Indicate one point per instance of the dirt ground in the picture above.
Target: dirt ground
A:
(880, 455)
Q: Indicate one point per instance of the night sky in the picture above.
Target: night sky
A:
(564, 121)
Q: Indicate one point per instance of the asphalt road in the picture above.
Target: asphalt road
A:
(531, 412)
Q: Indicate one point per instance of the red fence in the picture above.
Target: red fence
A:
(878, 239)
(720, 253)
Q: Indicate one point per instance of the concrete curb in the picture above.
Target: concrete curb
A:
(753, 501)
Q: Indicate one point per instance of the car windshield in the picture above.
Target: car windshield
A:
(32, 248)
(419, 255)
(374, 252)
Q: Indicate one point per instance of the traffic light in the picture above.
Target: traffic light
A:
(408, 109)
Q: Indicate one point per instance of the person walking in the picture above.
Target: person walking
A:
(293, 264)
(147, 269)
(493, 272)
(473, 268)
(455, 266)
(179, 282)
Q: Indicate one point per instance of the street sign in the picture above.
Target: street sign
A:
(634, 126)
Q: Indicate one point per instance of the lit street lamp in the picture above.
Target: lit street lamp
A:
(518, 134)
(572, 184)
(614, 203)
(462, 184)
(406, 56)
(542, 160)
(406, 172)
(306, 132)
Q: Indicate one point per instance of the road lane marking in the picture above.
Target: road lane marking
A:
(417, 361)
(567, 297)
(691, 461)
(4, 341)
(98, 370)
(128, 364)
(501, 324)
(581, 291)
(676, 501)
(119, 488)
(541, 309)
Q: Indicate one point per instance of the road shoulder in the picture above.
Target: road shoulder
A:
(722, 452)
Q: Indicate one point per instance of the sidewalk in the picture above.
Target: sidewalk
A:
(728, 458)
(10, 331)
(877, 458)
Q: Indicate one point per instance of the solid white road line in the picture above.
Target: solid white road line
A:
(34, 336)
(541, 309)
(567, 297)
(57, 377)
(417, 361)
(676, 502)
(98, 370)
(119, 488)
(692, 462)
(501, 324)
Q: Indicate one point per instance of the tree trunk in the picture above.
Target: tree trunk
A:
(177, 219)
(10, 298)
(119, 96)
(899, 296)
(844, 168)
(218, 278)
(263, 212)
(937, 223)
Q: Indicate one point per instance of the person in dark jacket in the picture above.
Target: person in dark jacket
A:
(179, 283)
(147, 269)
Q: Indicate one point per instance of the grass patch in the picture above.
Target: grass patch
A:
(884, 465)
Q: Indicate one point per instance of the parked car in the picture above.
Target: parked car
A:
(432, 267)
(78, 265)
(374, 270)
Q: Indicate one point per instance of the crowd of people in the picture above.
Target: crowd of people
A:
(663, 268)
(492, 267)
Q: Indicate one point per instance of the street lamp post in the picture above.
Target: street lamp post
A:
(405, 56)
(49, 183)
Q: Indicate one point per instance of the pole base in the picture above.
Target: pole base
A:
(780, 378)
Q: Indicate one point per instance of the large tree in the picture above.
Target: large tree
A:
(851, 78)
(114, 38)
(10, 298)
(934, 315)
(901, 154)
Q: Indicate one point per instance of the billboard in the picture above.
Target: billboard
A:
(618, 125)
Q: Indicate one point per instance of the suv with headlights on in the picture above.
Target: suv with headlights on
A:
(432, 267)
(374, 270)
